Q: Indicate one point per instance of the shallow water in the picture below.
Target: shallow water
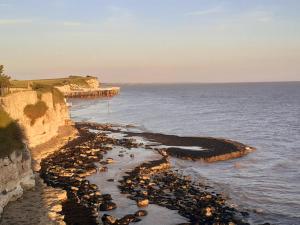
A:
(262, 115)
(116, 170)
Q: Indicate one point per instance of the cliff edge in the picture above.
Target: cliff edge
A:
(27, 119)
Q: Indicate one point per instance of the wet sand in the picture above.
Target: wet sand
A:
(116, 171)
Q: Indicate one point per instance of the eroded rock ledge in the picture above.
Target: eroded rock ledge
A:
(15, 177)
(152, 182)
(213, 149)
(156, 183)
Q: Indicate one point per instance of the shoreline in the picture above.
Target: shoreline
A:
(66, 162)
(213, 149)
(70, 167)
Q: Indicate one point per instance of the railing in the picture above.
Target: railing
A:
(102, 92)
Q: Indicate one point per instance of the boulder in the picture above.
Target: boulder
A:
(142, 202)
(141, 213)
(107, 206)
(108, 219)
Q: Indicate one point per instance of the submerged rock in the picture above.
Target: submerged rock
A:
(141, 213)
(107, 206)
(154, 182)
(103, 169)
(109, 160)
(126, 219)
(108, 219)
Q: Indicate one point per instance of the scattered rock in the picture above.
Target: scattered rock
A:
(109, 160)
(108, 219)
(142, 202)
(141, 213)
(126, 219)
(150, 182)
(56, 208)
(107, 206)
(154, 182)
(208, 211)
(103, 169)
(106, 197)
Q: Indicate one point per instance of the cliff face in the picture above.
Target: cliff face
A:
(93, 83)
(89, 84)
(16, 176)
(44, 126)
(40, 115)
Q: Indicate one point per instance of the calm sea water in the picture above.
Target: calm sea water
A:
(263, 115)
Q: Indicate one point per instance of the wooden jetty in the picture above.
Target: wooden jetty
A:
(101, 92)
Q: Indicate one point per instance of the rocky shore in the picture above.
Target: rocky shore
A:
(69, 167)
(153, 182)
(212, 149)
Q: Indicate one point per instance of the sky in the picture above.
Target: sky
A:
(139, 41)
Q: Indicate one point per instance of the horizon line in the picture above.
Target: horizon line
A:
(221, 82)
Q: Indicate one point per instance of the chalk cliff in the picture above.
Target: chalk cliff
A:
(16, 176)
(91, 83)
(40, 115)
(46, 126)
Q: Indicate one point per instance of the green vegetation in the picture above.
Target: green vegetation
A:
(35, 111)
(11, 135)
(4, 82)
(78, 80)
(48, 85)
(58, 97)
(4, 79)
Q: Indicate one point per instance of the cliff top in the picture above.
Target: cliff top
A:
(77, 80)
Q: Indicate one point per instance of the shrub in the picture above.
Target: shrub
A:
(4, 79)
(58, 97)
(42, 88)
(81, 82)
(11, 135)
(35, 111)
(4, 82)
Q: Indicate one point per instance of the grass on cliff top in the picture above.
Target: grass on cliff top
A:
(58, 97)
(11, 135)
(78, 80)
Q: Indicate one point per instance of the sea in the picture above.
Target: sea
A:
(265, 183)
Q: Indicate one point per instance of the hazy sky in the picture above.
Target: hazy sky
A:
(152, 40)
